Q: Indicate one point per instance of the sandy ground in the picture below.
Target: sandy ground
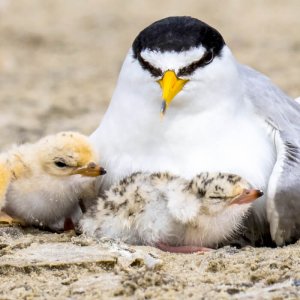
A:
(59, 62)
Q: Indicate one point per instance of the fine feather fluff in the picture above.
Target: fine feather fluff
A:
(39, 184)
(147, 209)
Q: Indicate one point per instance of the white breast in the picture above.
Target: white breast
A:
(41, 201)
(189, 144)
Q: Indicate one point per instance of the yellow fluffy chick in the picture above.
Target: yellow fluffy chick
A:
(41, 183)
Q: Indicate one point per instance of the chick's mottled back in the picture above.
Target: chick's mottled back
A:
(171, 212)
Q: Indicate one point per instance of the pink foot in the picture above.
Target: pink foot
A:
(181, 249)
(68, 224)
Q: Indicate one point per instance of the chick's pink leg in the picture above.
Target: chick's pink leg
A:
(68, 224)
(181, 249)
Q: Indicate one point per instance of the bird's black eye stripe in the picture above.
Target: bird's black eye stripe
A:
(206, 59)
(156, 72)
(60, 164)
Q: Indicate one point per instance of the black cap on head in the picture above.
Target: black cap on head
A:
(178, 34)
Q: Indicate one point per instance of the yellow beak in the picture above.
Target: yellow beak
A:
(171, 85)
(91, 170)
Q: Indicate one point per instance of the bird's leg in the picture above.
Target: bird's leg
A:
(6, 219)
(181, 249)
(68, 224)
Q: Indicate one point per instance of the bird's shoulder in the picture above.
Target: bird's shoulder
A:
(16, 160)
(267, 98)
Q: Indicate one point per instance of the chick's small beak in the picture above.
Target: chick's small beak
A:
(171, 85)
(91, 170)
(247, 196)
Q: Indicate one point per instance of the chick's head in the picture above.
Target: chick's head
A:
(221, 191)
(68, 153)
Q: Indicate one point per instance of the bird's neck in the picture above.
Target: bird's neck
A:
(137, 120)
(216, 228)
(136, 103)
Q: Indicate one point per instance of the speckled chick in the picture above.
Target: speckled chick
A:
(41, 183)
(172, 213)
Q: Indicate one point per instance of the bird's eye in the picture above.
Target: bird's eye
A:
(218, 197)
(208, 58)
(205, 60)
(60, 164)
(155, 72)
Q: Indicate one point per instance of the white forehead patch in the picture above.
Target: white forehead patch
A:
(171, 60)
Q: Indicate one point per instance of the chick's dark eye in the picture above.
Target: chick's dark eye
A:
(60, 164)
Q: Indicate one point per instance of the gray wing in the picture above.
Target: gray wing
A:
(283, 113)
